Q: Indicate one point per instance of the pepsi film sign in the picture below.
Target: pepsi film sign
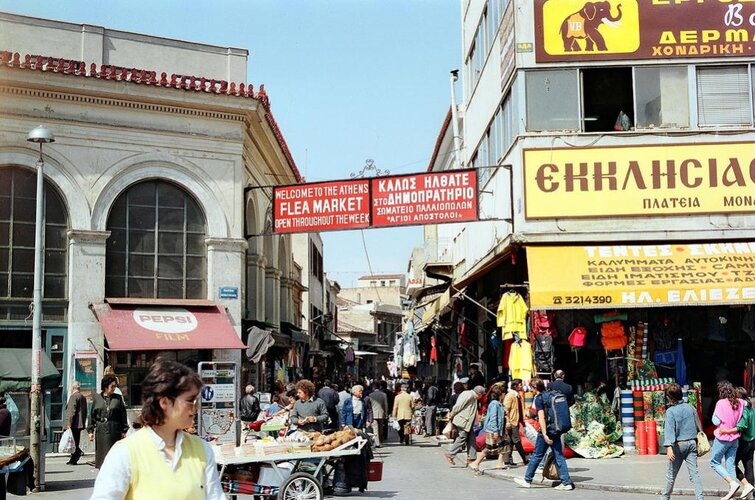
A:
(165, 320)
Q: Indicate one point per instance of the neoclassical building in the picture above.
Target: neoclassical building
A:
(157, 189)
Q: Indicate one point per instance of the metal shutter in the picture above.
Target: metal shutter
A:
(723, 96)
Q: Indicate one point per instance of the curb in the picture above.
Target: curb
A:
(615, 488)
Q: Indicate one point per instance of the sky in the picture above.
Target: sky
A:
(348, 81)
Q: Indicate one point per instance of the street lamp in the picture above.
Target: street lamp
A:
(41, 135)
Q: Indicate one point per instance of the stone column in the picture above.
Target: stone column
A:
(255, 299)
(272, 295)
(86, 285)
(225, 268)
(286, 302)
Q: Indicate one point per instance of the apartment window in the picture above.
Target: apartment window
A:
(552, 100)
(606, 93)
(373, 283)
(662, 97)
(156, 247)
(509, 123)
(392, 283)
(723, 95)
(493, 18)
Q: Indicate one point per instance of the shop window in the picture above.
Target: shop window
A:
(157, 245)
(662, 97)
(607, 98)
(723, 96)
(552, 100)
(18, 194)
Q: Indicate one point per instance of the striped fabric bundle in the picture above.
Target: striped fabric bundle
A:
(645, 336)
(638, 411)
(627, 420)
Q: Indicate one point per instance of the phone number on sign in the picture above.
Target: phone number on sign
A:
(582, 299)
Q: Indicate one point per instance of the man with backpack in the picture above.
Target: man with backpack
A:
(553, 416)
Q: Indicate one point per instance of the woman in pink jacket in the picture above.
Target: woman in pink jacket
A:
(728, 410)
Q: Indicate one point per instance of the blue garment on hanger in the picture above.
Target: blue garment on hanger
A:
(681, 366)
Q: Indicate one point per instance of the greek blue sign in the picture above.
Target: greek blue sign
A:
(228, 292)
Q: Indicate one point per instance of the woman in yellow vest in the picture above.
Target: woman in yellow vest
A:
(161, 460)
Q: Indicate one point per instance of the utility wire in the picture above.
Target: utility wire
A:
(369, 264)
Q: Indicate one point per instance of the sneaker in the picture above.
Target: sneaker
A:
(746, 491)
(522, 483)
(564, 487)
(733, 487)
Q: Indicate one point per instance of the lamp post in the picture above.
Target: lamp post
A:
(40, 135)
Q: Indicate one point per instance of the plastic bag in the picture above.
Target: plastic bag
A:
(530, 432)
(395, 425)
(448, 430)
(67, 444)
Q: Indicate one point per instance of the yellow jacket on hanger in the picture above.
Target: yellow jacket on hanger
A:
(521, 360)
(512, 315)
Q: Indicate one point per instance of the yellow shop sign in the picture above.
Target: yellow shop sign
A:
(639, 180)
(607, 277)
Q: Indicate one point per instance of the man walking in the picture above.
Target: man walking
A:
(463, 415)
(379, 403)
(403, 410)
(431, 403)
(76, 418)
(548, 438)
(330, 397)
(514, 409)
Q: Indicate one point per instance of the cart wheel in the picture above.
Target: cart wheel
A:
(301, 486)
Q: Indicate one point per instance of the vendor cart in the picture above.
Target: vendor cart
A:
(298, 475)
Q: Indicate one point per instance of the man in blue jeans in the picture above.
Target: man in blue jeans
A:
(545, 441)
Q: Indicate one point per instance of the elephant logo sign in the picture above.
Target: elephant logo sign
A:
(584, 25)
(576, 27)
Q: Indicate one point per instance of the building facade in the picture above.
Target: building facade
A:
(623, 128)
(155, 201)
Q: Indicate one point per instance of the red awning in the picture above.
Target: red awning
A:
(153, 327)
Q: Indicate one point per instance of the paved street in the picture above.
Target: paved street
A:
(409, 473)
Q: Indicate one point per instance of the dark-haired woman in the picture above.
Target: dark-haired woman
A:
(494, 426)
(728, 410)
(680, 440)
(107, 420)
(160, 460)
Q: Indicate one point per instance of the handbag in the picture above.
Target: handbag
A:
(67, 444)
(703, 445)
(448, 430)
(550, 469)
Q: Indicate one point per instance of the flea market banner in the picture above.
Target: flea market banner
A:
(677, 274)
(400, 200)
(575, 30)
(669, 179)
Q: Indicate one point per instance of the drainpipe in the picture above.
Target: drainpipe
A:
(454, 117)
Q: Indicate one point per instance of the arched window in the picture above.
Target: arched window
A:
(18, 205)
(156, 247)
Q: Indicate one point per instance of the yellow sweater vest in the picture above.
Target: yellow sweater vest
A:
(153, 478)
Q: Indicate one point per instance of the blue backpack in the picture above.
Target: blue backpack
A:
(557, 417)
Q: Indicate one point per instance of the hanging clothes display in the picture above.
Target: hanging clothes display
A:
(348, 354)
(613, 335)
(410, 355)
(520, 360)
(433, 351)
(512, 315)
(543, 323)
(545, 357)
